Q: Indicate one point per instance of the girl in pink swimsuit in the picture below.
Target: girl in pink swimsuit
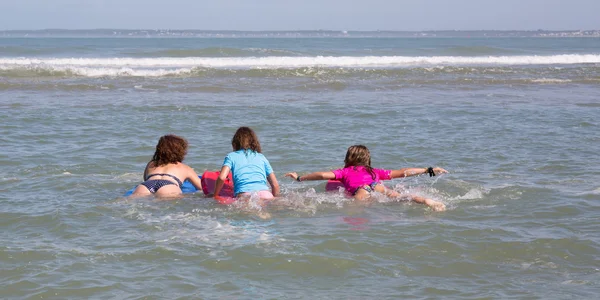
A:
(360, 179)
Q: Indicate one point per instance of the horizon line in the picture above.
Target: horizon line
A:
(301, 30)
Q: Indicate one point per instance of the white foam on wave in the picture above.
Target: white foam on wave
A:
(596, 191)
(92, 71)
(295, 62)
(550, 80)
(174, 66)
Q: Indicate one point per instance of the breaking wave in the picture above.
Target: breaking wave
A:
(536, 67)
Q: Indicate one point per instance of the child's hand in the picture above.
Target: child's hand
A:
(439, 171)
(292, 175)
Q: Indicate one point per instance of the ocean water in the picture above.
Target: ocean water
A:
(515, 121)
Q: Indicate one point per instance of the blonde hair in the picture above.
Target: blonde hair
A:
(359, 155)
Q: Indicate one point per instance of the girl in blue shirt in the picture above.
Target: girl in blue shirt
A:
(249, 167)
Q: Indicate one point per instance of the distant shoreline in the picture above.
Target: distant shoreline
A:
(293, 33)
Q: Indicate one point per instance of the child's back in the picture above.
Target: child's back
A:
(249, 170)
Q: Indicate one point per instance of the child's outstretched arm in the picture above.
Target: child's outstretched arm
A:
(274, 184)
(312, 176)
(220, 181)
(192, 176)
(406, 172)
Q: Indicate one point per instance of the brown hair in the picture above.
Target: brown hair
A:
(359, 155)
(169, 150)
(245, 138)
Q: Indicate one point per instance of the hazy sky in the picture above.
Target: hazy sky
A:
(301, 14)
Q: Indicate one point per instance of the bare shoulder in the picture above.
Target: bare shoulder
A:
(181, 166)
(188, 169)
(149, 168)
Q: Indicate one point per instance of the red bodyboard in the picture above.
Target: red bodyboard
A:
(209, 179)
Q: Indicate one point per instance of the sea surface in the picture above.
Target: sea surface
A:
(515, 121)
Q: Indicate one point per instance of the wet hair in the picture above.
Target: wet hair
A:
(245, 138)
(170, 149)
(359, 155)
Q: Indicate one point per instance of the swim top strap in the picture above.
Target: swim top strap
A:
(168, 175)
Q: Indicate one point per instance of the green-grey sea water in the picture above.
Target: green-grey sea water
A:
(515, 122)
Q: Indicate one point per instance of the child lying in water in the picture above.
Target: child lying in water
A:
(360, 179)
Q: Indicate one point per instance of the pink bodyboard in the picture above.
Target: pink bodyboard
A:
(209, 179)
(333, 185)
